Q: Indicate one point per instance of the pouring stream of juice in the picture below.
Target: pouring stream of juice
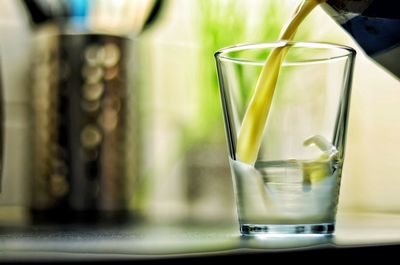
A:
(256, 115)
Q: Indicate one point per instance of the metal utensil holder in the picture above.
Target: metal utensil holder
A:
(84, 127)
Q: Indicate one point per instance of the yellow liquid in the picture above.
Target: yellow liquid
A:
(252, 129)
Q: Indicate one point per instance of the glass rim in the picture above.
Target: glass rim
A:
(222, 54)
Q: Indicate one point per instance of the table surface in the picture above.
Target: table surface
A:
(365, 232)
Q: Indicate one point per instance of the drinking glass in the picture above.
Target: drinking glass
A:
(293, 186)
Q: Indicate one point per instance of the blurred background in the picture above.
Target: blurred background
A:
(181, 147)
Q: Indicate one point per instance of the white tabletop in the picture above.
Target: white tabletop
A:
(163, 241)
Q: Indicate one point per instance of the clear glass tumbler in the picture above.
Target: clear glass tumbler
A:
(293, 186)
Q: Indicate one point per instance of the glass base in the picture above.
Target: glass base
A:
(286, 229)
